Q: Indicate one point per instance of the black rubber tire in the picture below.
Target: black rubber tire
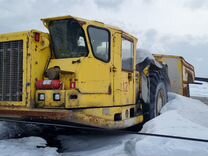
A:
(158, 89)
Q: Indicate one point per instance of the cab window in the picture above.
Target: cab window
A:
(68, 39)
(127, 55)
(100, 42)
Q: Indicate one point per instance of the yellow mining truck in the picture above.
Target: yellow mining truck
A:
(81, 72)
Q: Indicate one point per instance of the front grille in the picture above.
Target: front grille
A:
(11, 70)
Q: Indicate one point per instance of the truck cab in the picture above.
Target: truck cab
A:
(81, 72)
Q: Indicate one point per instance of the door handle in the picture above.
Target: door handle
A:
(113, 69)
(130, 77)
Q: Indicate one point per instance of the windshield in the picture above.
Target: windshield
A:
(68, 39)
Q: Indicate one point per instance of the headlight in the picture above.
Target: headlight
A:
(41, 97)
(56, 97)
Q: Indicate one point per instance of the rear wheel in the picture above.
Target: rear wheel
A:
(160, 98)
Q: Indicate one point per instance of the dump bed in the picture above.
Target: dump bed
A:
(180, 72)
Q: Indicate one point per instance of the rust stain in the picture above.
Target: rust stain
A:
(37, 114)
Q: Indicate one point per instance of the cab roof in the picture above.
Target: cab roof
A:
(81, 20)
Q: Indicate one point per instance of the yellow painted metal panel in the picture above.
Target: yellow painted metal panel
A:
(38, 57)
(99, 118)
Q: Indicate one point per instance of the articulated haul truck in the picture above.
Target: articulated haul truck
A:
(81, 72)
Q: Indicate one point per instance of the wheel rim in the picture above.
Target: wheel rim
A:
(160, 102)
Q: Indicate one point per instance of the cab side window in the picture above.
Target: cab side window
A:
(100, 41)
(127, 55)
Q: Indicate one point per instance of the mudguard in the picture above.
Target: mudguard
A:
(144, 59)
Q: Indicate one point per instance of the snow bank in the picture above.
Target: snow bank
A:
(190, 109)
(181, 117)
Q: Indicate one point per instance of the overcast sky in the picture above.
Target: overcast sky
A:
(162, 26)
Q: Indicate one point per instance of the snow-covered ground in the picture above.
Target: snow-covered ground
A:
(28, 146)
(199, 90)
(181, 116)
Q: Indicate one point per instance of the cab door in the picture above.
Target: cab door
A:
(127, 71)
(124, 73)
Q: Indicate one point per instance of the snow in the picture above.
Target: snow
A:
(142, 54)
(181, 116)
(199, 90)
(29, 146)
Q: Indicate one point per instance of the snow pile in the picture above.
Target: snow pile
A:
(190, 109)
(180, 117)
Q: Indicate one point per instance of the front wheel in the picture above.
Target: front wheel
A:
(158, 94)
